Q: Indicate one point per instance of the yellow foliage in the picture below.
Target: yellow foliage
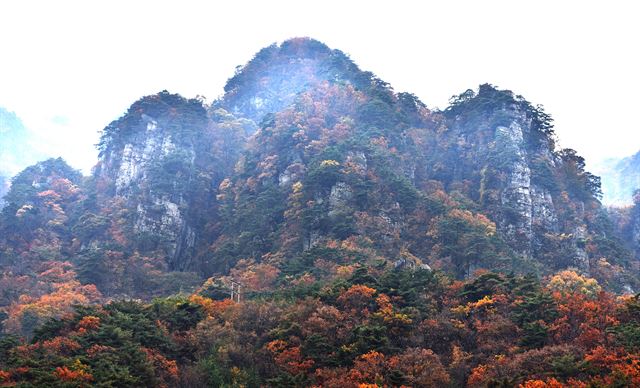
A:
(329, 163)
(297, 187)
(570, 282)
(485, 302)
(477, 220)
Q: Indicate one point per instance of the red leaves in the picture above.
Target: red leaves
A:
(61, 345)
(549, 383)
(165, 368)
(4, 376)
(88, 323)
(584, 318)
(289, 358)
(612, 362)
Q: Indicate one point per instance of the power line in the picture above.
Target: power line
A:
(236, 291)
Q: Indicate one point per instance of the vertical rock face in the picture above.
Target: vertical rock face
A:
(504, 148)
(496, 135)
(149, 158)
(516, 194)
(543, 212)
(531, 203)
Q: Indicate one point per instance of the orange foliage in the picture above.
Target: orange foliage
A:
(61, 345)
(289, 358)
(166, 369)
(549, 383)
(255, 276)
(66, 292)
(615, 361)
(334, 377)
(388, 315)
(4, 376)
(476, 220)
(66, 374)
(584, 319)
(478, 376)
(422, 368)
(368, 368)
(210, 306)
(88, 322)
(357, 296)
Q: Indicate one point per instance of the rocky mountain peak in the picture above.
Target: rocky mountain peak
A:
(278, 73)
(148, 157)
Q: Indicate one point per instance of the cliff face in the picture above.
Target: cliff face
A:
(502, 149)
(149, 158)
(532, 203)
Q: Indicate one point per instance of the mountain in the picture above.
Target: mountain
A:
(626, 221)
(620, 178)
(15, 150)
(150, 159)
(314, 227)
(306, 151)
(4, 188)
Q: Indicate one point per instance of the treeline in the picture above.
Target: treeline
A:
(367, 327)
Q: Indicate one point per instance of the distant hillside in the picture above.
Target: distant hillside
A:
(620, 178)
(16, 151)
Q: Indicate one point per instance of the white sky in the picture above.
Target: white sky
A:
(68, 68)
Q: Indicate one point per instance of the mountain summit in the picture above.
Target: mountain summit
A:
(277, 74)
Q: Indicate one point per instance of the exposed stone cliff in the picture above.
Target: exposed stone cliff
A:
(148, 157)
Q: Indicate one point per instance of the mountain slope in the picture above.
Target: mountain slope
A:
(620, 178)
(308, 161)
(15, 150)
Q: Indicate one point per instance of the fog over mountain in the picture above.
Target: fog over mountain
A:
(67, 75)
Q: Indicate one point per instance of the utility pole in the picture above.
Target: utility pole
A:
(236, 291)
